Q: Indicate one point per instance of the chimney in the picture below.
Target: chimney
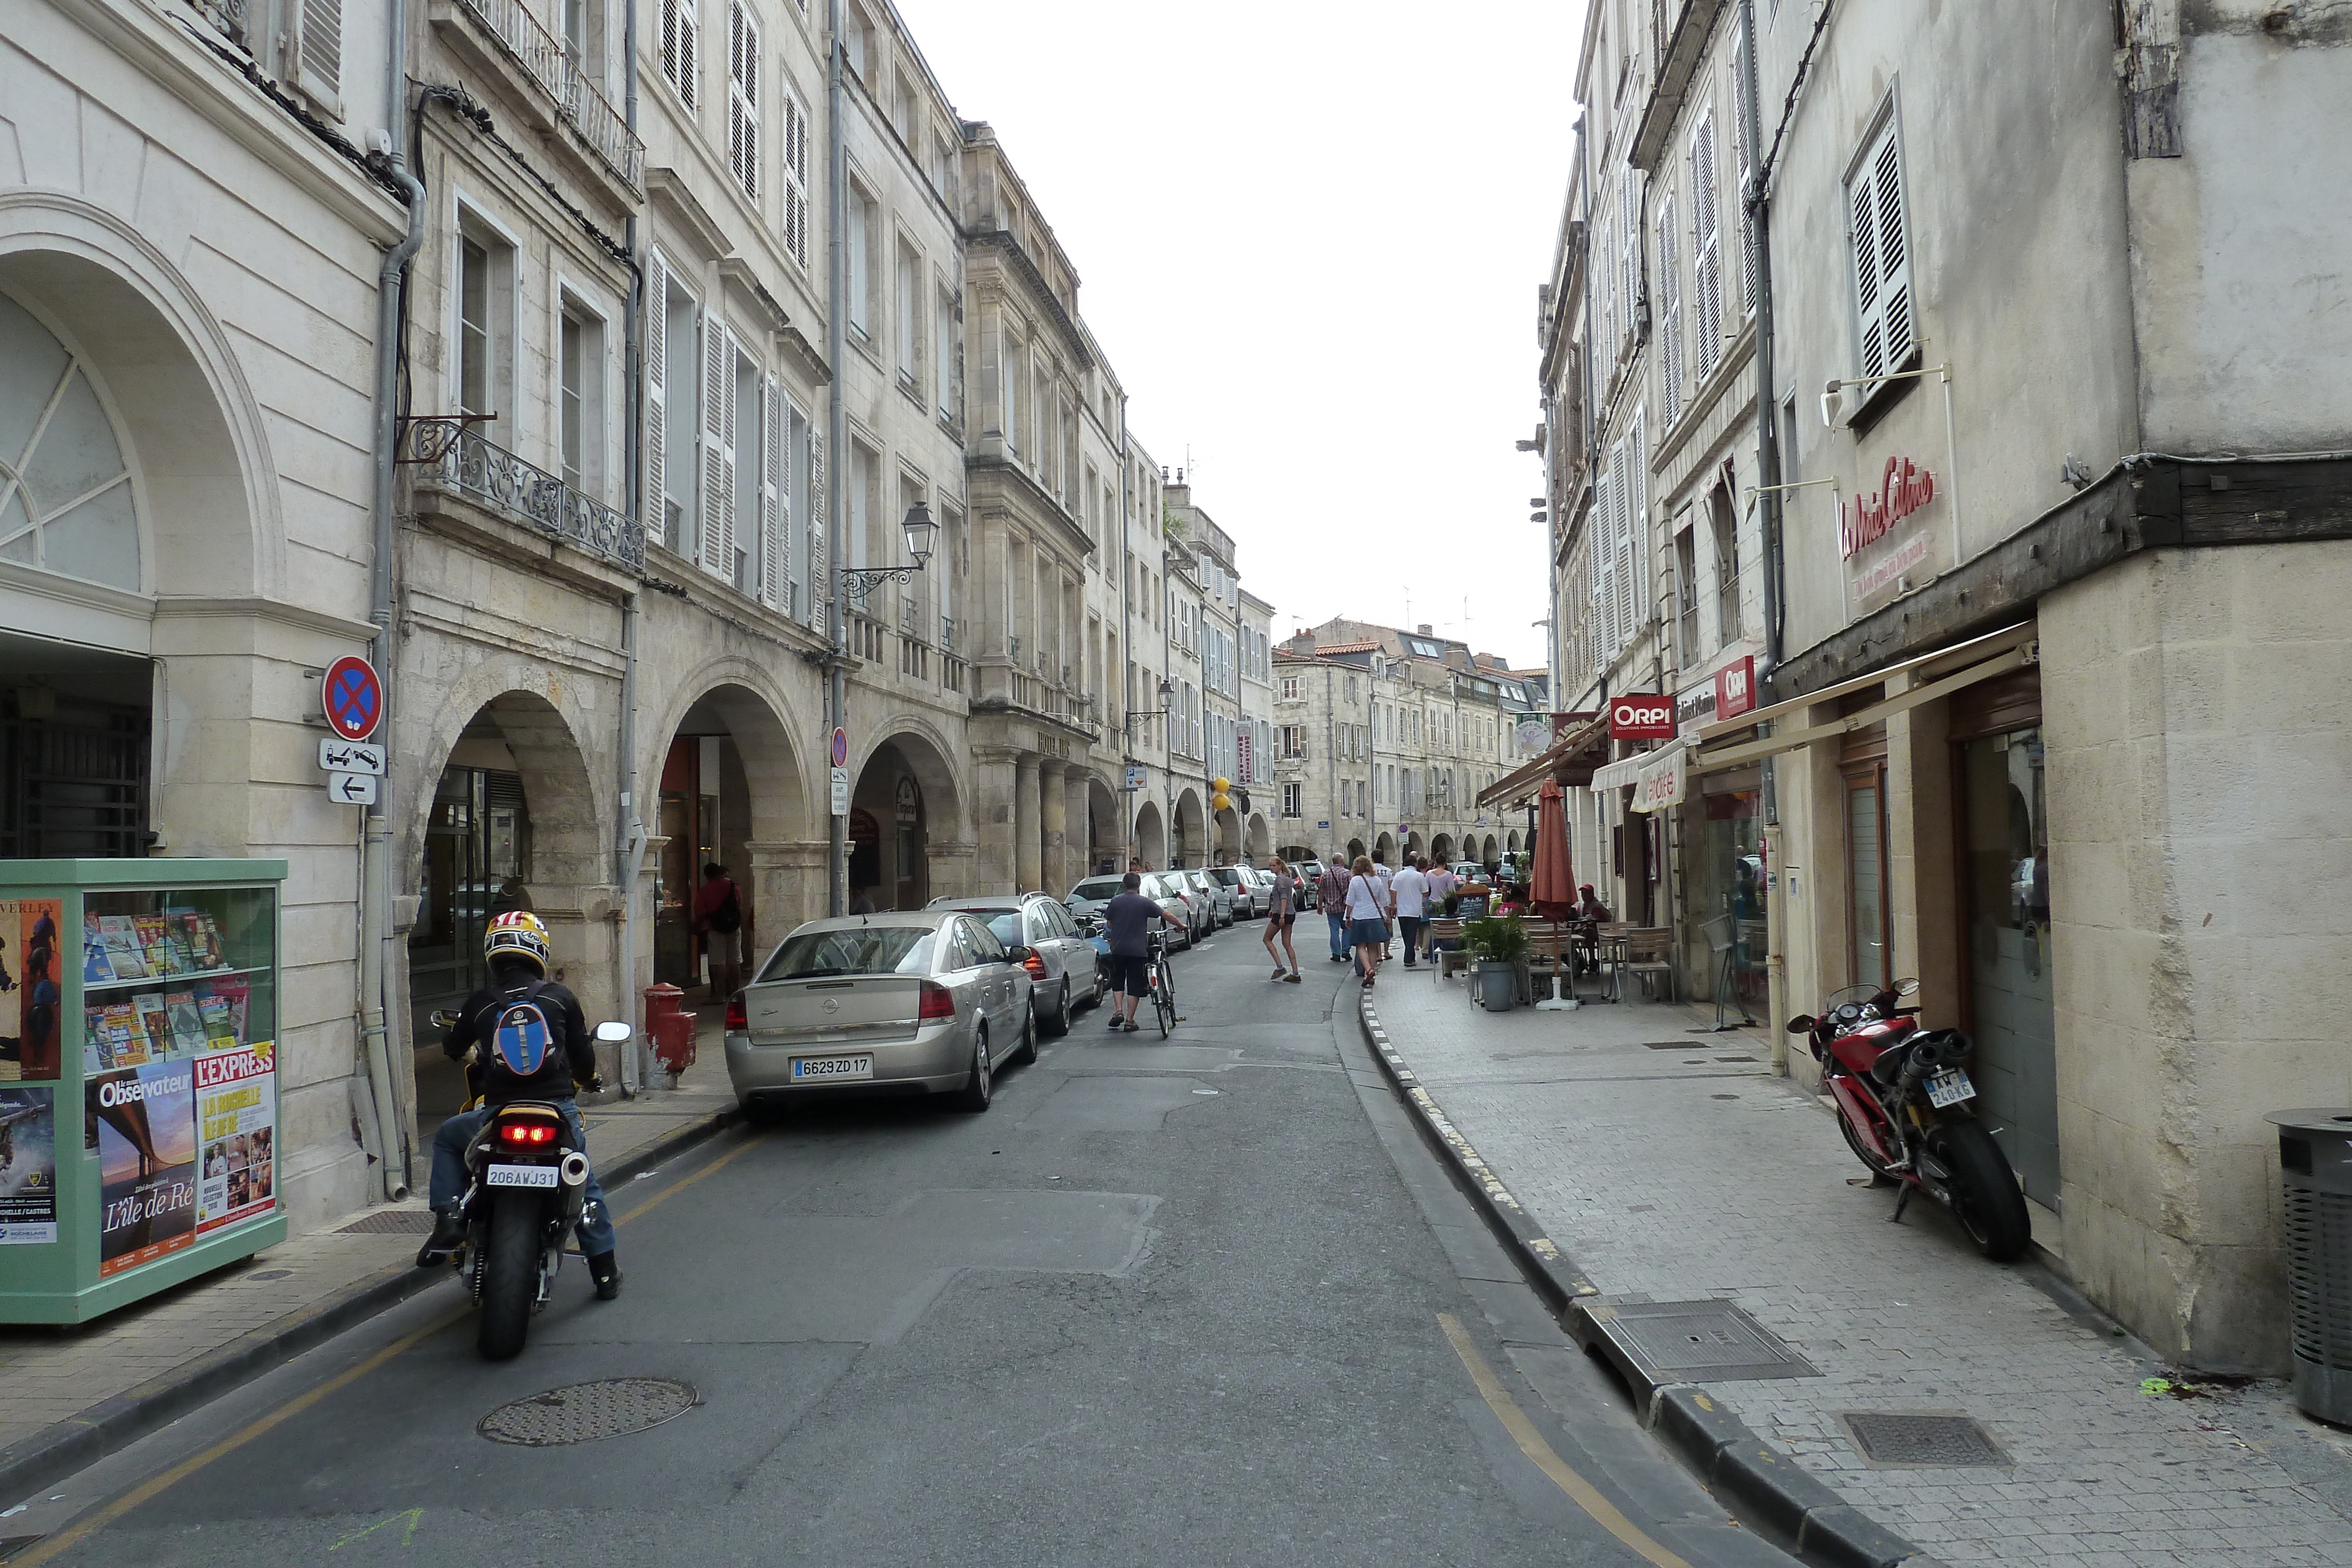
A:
(1422, 629)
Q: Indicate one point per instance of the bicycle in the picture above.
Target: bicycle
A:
(1163, 987)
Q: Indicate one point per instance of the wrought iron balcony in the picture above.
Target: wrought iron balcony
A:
(947, 634)
(550, 63)
(489, 474)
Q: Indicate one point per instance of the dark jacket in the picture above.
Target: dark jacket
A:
(572, 1062)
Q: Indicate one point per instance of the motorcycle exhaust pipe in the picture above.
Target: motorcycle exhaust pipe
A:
(573, 1170)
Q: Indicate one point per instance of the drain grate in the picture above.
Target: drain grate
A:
(1657, 1342)
(391, 1222)
(583, 1411)
(1905, 1441)
(1666, 1045)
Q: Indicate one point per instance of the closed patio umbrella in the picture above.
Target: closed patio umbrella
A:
(1553, 895)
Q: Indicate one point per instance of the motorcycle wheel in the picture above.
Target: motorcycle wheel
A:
(1985, 1195)
(1878, 1177)
(509, 1276)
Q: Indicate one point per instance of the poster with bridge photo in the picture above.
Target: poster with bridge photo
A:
(237, 1117)
(28, 1166)
(142, 1122)
(31, 990)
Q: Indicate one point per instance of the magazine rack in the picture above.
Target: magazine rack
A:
(138, 1077)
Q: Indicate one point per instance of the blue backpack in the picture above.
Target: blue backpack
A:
(522, 1038)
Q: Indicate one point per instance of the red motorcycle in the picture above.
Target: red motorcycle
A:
(1904, 1104)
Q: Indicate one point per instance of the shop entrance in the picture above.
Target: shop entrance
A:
(1726, 880)
(74, 724)
(2011, 965)
(890, 835)
(477, 868)
(1869, 930)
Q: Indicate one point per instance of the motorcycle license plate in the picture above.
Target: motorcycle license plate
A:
(1950, 1087)
(831, 1069)
(519, 1175)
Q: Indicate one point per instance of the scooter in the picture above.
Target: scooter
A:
(1904, 1104)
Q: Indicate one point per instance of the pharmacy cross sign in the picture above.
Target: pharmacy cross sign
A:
(354, 697)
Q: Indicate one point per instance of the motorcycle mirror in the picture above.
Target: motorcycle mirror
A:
(1800, 1024)
(1905, 985)
(614, 1031)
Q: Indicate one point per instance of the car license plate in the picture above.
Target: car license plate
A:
(831, 1069)
(519, 1175)
(1950, 1087)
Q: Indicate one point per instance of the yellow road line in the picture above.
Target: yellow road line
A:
(1539, 1452)
(91, 1524)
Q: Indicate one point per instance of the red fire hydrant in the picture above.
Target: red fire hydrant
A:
(670, 1027)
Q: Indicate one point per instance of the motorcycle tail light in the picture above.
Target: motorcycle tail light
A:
(937, 1002)
(738, 1018)
(527, 1135)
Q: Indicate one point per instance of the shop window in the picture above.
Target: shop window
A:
(1723, 526)
(73, 770)
(477, 867)
(1870, 947)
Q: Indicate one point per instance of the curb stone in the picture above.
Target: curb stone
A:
(1753, 1478)
(62, 1447)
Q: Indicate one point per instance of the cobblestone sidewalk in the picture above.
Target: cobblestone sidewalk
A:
(51, 1375)
(1670, 1164)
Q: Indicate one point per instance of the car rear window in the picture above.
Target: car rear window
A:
(867, 950)
(1227, 875)
(1101, 888)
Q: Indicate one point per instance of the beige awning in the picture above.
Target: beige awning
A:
(1946, 671)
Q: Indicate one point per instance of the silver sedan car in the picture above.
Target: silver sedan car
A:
(917, 1003)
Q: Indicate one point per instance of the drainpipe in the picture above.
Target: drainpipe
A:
(630, 853)
(836, 345)
(376, 958)
(1767, 476)
(1127, 628)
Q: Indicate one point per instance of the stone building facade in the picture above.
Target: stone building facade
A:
(2035, 612)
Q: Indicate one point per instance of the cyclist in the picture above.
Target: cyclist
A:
(1126, 920)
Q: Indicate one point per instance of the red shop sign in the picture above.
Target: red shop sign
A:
(1640, 718)
(1903, 488)
(1735, 688)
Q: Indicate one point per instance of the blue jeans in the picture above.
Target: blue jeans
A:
(1339, 932)
(448, 1183)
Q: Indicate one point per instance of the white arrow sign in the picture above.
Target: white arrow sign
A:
(350, 756)
(351, 788)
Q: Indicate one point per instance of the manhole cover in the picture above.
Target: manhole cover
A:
(1692, 1341)
(1665, 1045)
(1922, 1442)
(584, 1412)
(391, 1222)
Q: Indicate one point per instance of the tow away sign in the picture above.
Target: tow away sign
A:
(350, 756)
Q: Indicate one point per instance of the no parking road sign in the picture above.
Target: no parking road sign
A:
(354, 697)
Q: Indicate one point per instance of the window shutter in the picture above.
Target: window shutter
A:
(1706, 254)
(1596, 550)
(743, 99)
(651, 512)
(797, 180)
(820, 574)
(1628, 249)
(1621, 549)
(1670, 305)
(1882, 260)
(690, 35)
(1640, 589)
(317, 50)
(775, 560)
(716, 545)
(1742, 131)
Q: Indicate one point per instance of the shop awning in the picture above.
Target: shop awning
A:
(1659, 777)
(1521, 784)
(1942, 672)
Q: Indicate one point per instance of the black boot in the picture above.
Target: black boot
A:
(605, 1269)
(448, 1234)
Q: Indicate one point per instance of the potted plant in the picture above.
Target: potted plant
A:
(1496, 944)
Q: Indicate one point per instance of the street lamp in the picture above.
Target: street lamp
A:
(857, 581)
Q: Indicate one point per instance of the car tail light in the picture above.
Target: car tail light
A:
(1036, 965)
(738, 1020)
(527, 1135)
(937, 1002)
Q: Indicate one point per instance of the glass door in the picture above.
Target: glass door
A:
(2011, 963)
(1866, 860)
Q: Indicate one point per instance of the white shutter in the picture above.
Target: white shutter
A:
(1707, 253)
(715, 547)
(1742, 122)
(775, 586)
(652, 512)
(1621, 555)
(1641, 586)
(820, 574)
(317, 50)
(1670, 305)
(690, 54)
(1881, 258)
(743, 99)
(1596, 562)
(1628, 249)
(797, 180)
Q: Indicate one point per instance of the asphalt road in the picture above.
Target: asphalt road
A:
(1204, 1301)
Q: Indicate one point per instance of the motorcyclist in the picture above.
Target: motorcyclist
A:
(516, 949)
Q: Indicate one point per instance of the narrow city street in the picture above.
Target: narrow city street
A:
(1209, 1301)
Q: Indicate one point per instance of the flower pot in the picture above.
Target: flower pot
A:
(1496, 983)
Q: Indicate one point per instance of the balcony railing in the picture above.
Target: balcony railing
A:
(497, 478)
(543, 55)
(227, 16)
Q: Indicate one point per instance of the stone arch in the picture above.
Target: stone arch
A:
(761, 718)
(1486, 855)
(1188, 839)
(1413, 846)
(1355, 851)
(1150, 836)
(905, 795)
(1511, 841)
(1441, 848)
(1260, 840)
(1106, 843)
(1227, 837)
(1384, 850)
(928, 751)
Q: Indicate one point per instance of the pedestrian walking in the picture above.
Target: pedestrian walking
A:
(1386, 878)
(1367, 919)
(1279, 918)
(1409, 896)
(1331, 894)
(718, 921)
(1442, 883)
(1127, 923)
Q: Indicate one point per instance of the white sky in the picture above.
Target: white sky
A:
(1309, 235)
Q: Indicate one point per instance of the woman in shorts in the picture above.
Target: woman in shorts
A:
(1367, 918)
(1279, 918)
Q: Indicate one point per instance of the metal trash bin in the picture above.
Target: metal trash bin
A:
(2316, 1166)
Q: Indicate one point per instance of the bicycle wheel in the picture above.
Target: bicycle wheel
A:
(1163, 998)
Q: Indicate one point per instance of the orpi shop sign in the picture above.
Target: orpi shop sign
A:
(1903, 488)
(1735, 688)
(1640, 718)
